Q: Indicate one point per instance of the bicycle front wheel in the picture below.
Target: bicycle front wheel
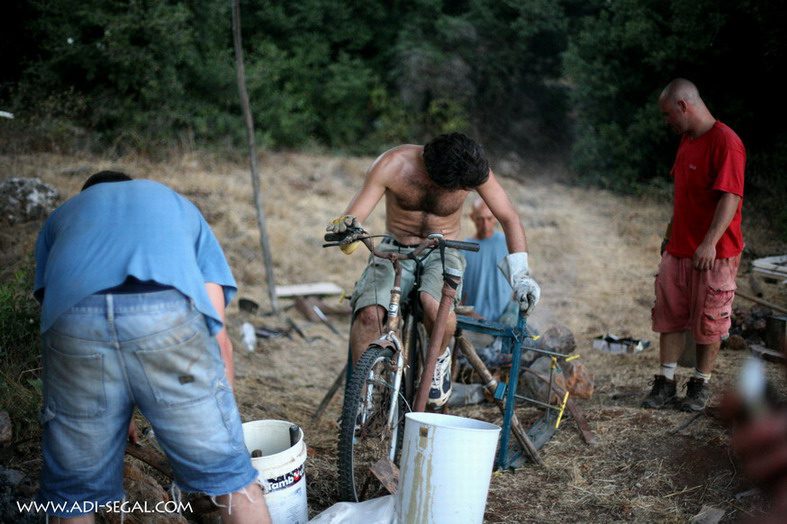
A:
(366, 436)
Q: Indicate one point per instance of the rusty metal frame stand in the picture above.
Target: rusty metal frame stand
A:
(514, 340)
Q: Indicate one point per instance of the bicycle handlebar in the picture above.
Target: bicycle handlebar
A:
(459, 244)
(350, 236)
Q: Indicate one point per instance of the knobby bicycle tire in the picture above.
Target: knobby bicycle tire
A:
(363, 438)
(416, 343)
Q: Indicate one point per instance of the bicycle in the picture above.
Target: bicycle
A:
(384, 384)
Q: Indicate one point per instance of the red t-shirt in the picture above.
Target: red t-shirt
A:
(704, 169)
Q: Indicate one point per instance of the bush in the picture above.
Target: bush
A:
(20, 381)
(620, 60)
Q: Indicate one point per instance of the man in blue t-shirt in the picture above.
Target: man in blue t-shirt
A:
(485, 287)
(133, 286)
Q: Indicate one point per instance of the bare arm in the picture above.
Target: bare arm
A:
(216, 295)
(364, 202)
(496, 198)
(705, 256)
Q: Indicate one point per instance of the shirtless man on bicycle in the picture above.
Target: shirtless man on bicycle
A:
(424, 189)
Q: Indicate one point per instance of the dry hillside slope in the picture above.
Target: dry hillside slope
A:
(594, 254)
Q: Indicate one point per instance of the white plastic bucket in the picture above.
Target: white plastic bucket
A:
(281, 466)
(446, 467)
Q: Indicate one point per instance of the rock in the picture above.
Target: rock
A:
(537, 388)
(579, 380)
(27, 487)
(6, 428)
(10, 482)
(25, 199)
(466, 394)
(736, 343)
(559, 339)
(707, 515)
(11, 477)
(142, 489)
(574, 378)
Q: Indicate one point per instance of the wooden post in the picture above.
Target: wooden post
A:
(255, 178)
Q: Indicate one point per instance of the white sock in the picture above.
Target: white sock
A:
(699, 374)
(668, 370)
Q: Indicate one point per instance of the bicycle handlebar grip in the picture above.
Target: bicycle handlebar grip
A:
(458, 244)
(334, 237)
(349, 235)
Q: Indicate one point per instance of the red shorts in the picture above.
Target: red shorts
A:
(688, 299)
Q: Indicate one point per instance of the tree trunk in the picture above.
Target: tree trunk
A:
(255, 177)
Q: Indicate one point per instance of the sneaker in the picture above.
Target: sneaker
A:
(697, 395)
(662, 395)
(441, 381)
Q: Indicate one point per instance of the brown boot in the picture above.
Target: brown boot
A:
(662, 395)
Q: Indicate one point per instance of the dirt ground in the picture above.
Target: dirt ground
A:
(594, 254)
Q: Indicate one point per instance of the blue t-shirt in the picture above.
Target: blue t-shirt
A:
(485, 287)
(115, 230)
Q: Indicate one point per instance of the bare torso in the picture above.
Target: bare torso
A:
(414, 205)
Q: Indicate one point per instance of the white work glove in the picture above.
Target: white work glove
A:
(526, 290)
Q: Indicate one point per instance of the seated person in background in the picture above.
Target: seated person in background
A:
(485, 287)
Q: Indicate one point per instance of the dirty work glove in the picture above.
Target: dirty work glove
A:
(344, 225)
(526, 290)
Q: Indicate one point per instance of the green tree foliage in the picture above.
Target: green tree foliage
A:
(120, 55)
(494, 64)
(356, 75)
(620, 60)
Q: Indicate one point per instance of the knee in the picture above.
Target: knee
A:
(370, 317)
(429, 304)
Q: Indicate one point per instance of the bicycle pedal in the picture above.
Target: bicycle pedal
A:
(500, 391)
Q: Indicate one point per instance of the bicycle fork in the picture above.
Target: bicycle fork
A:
(392, 325)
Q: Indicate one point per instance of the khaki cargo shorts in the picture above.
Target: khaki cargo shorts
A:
(374, 286)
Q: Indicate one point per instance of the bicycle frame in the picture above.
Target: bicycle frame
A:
(388, 370)
(451, 282)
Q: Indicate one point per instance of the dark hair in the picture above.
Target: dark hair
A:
(455, 161)
(105, 176)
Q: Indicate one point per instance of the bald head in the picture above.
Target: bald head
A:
(681, 89)
(683, 109)
(483, 219)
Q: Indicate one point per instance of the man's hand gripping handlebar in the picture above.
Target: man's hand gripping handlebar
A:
(346, 232)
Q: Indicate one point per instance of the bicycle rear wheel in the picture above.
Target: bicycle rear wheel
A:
(365, 436)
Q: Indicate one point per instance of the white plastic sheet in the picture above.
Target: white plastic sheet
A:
(374, 511)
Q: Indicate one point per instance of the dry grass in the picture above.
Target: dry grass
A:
(594, 254)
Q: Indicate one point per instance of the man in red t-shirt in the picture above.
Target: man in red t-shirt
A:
(695, 284)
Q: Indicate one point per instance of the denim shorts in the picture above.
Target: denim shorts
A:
(112, 352)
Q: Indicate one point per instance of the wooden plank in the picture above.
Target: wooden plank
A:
(775, 267)
(152, 457)
(760, 301)
(387, 473)
(310, 289)
(766, 353)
